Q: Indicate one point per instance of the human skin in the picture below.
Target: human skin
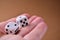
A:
(34, 31)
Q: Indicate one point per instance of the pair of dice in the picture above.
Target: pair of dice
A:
(14, 27)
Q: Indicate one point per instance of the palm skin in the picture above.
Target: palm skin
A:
(34, 31)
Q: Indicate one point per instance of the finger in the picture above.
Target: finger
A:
(32, 18)
(2, 24)
(32, 24)
(37, 32)
(36, 21)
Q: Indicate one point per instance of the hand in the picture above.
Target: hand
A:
(34, 31)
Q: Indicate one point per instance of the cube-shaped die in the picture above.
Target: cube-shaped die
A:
(11, 28)
(22, 21)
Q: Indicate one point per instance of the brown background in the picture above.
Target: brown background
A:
(48, 9)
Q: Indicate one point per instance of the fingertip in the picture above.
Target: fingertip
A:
(12, 19)
(26, 14)
(2, 24)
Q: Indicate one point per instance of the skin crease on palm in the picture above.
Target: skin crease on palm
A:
(34, 31)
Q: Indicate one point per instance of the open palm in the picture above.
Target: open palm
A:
(34, 31)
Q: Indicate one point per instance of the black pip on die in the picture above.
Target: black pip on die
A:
(22, 21)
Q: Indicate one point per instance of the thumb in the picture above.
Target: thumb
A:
(11, 37)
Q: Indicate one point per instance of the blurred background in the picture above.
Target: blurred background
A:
(48, 9)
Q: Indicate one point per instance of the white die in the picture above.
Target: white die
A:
(11, 28)
(22, 21)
